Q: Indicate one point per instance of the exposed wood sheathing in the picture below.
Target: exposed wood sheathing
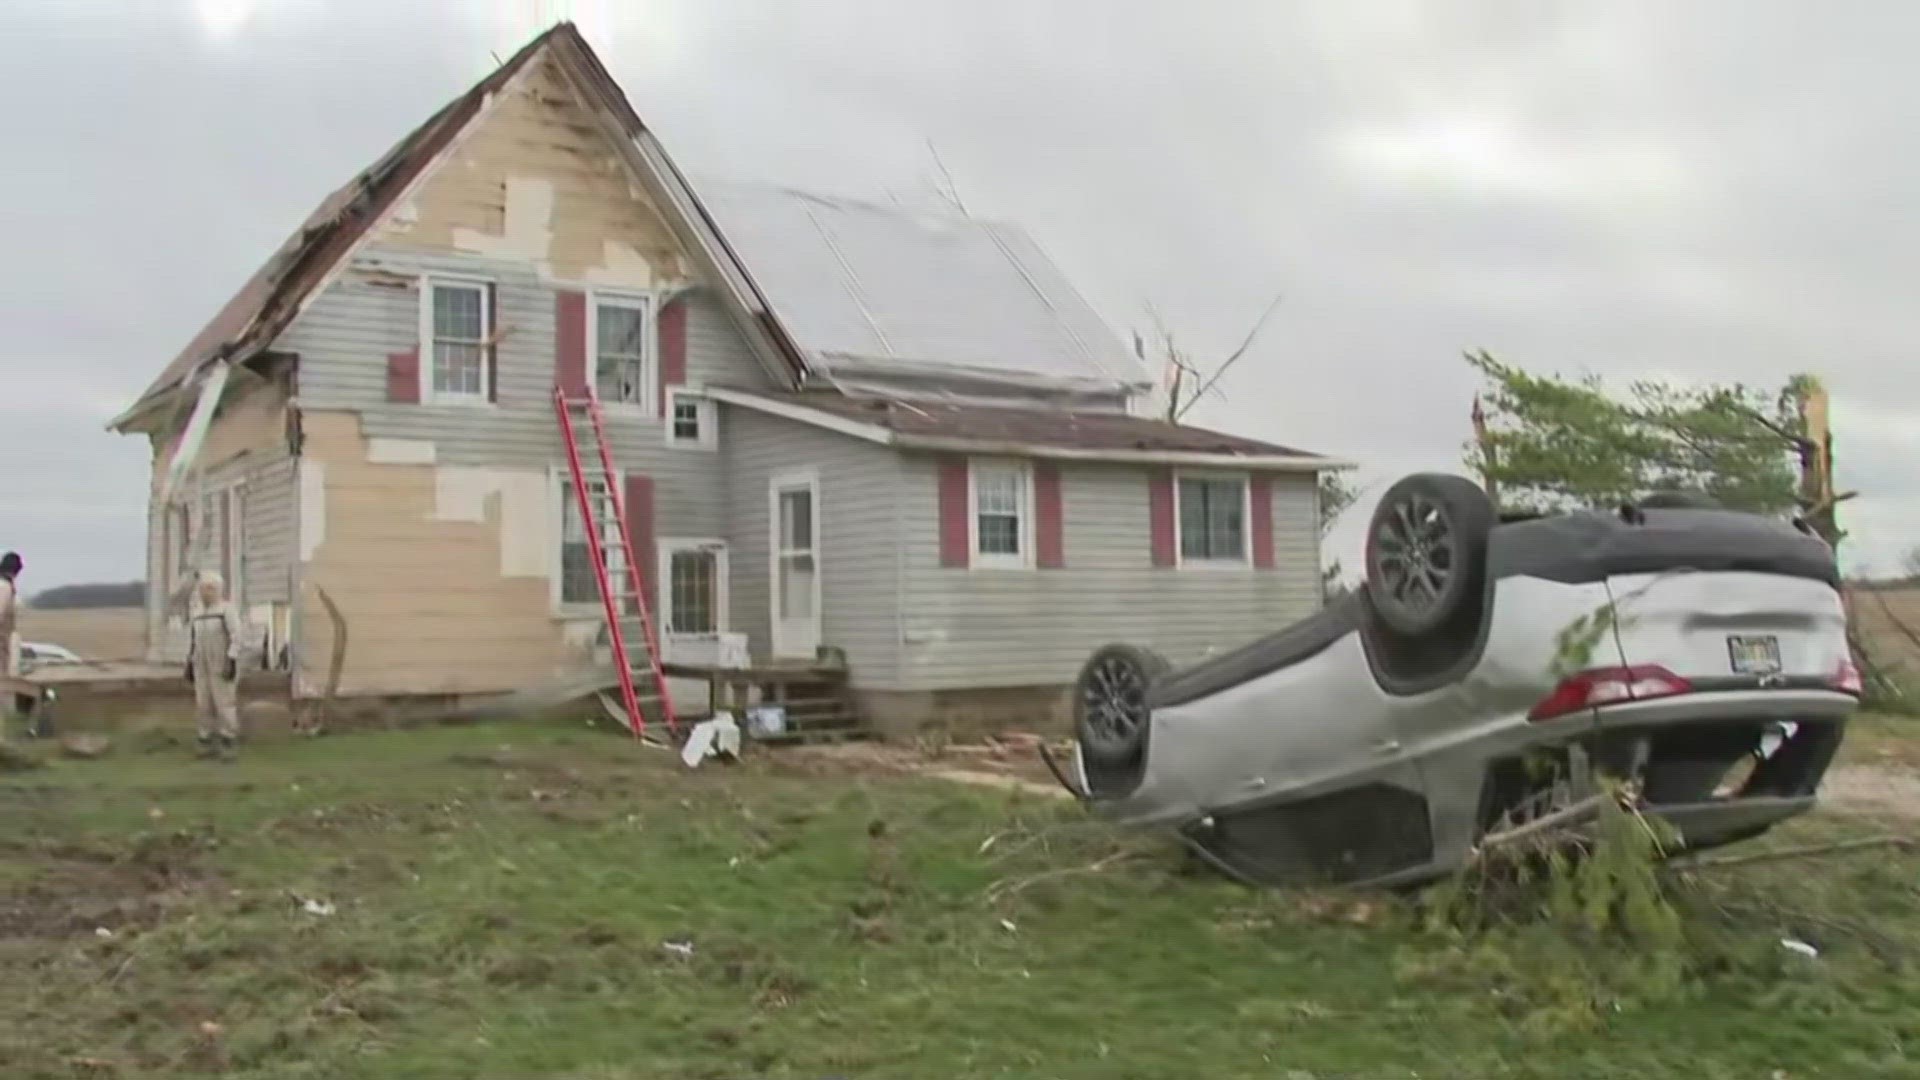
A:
(428, 608)
(538, 179)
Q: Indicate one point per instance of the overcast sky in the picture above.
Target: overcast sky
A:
(1707, 190)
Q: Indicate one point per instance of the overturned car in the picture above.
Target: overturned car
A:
(1488, 673)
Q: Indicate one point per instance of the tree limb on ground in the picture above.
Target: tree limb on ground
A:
(1800, 852)
(1567, 815)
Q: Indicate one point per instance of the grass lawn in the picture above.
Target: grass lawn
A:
(528, 900)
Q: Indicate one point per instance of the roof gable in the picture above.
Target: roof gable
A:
(270, 297)
(276, 292)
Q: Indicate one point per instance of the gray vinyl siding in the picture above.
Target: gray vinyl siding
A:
(267, 538)
(989, 627)
(344, 338)
(858, 484)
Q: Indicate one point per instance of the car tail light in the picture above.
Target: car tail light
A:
(1847, 678)
(1605, 686)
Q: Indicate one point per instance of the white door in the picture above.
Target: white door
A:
(693, 614)
(795, 520)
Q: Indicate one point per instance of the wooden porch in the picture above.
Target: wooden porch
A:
(815, 701)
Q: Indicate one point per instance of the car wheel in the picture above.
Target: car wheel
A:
(1110, 701)
(1427, 551)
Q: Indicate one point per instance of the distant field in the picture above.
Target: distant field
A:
(94, 633)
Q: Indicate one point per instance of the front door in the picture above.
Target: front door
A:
(794, 503)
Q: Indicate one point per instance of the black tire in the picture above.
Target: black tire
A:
(1110, 702)
(1427, 551)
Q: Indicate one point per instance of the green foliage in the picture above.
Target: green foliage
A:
(1337, 495)
(1569, 928)
(1553, 443)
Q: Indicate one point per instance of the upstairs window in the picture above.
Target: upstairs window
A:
(1002, 514)
(457, 317)
(690, 420)
(1213, 519)
(622, 352)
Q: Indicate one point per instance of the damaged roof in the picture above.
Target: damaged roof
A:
(859, 282)
(272, 296)
(821, 282)
(1049, 432)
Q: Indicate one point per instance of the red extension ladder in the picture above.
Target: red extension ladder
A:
(603, 514)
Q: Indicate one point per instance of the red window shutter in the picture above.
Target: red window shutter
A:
(955, 544)
(403, 376)
(1049, 545)
(570, 343)
(673, 349)
(1161, 516)
(1260, 529)
(637, 498)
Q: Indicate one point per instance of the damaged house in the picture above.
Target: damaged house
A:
(889, 435)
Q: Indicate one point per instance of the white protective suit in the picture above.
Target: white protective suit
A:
(213, 663)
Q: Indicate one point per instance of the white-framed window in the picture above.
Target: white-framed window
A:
(691, 419)
(456, 317)
(695, 575)
(1213, 518)
(575, 586)
(1000, 513)
(620, 341)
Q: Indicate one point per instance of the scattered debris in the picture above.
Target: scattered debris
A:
(682, 949)
(766, 721)
(1007, 925)
(718, 737)
(85, 747)
(1801, 947)
(103, 933)
(319, 908)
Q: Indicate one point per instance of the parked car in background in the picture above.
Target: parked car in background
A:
(41, 654)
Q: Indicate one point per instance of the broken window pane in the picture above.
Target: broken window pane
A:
(620, 363)
(1213, 518)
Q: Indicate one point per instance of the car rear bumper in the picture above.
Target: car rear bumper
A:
(1723, 821)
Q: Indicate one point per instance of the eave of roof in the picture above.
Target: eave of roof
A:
(1254, 456)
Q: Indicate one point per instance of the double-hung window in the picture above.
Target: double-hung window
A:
(690, 419)
(1001, 514)
(623, 349)
(1213, 519)
(458, 315)
(579, 585)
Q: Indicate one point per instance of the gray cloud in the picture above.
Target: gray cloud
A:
(1713, 190)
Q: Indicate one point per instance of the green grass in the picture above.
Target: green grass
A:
(502, 896)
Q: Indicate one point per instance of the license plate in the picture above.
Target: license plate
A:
(1754, 654)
